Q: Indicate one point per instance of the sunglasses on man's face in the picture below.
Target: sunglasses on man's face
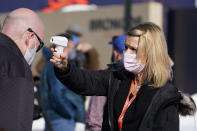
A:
(41, 42)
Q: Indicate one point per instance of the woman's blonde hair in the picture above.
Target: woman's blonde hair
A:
(153, 48)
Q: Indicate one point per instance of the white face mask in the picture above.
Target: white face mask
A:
(30, 55)
(131, 64)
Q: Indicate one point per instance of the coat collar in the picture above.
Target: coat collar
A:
(119, 71)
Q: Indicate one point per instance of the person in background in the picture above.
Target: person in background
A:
(64, 108)
(91, 56)
(83, 54)
(20, 39)
(140, 96)
(94, 116)
(75, 29)
(75, 55)
(86, 56)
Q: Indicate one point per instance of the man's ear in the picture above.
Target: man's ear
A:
(26, 37)
(30, 35)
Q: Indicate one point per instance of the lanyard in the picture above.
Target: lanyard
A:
(126, 105)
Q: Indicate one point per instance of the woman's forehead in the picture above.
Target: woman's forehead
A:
(132, 41)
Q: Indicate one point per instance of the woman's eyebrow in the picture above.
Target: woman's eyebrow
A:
(130, 46)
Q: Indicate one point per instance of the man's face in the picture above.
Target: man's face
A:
(71, 45)
(116, 56)
(33, 44)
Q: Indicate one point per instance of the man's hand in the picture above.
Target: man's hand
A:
(61, 59)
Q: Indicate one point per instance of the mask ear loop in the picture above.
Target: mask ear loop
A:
(35, 42)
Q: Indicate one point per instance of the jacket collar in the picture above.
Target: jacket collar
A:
(118, 65)
(119, 71)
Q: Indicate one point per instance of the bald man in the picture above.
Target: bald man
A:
(20, 39)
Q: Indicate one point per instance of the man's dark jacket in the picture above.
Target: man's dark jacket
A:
(16, 88)
(161, 115)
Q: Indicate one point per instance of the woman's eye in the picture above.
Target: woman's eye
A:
(126, 47)
(133, 49)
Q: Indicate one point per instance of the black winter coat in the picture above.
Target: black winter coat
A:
(16, 88)
(161, 115)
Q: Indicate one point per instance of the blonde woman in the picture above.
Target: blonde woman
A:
(140, 96)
